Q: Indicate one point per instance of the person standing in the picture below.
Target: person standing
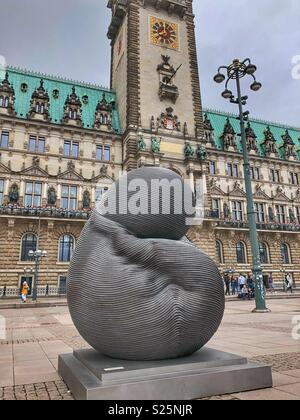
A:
(232, 285)
(271, 283)
(227, 285)
(24, 291)
(289, 283)
(242, 281)
(250, 282)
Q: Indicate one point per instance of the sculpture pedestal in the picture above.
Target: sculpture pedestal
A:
(92, 376)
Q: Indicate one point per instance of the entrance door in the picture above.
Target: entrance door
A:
(29, 280)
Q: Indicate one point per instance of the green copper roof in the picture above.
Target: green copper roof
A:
(95, 93)
(218, 121)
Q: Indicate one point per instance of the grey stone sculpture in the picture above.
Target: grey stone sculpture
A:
(137, 290)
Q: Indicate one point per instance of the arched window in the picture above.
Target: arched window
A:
(286, 254)
(219, 252)
(66, 248)
(29, 243)
(39, 108)
(264, 253)
(4, 102)
(73, 114)
(241, 253)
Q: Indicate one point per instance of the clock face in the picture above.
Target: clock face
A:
(164, 33)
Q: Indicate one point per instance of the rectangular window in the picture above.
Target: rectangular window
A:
(41, 145)
(99, 152)
(255, 173)
(36, 144)
(1, 191)
(212, 168)
(62, 285)
(232, 170)
(280, 214)
(71, 149)
(274, 175)
(100, 191)
(216, 208)
(237, 211)
(294, 178)
(33, 194)
(69, 197)
(4, 140)
(260, 212)
(298, 215)
(107, 153)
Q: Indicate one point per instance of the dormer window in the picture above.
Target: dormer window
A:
(4, 102)
(72, 109)
(104, 119)
(103, 115)
(7, 96)
(40, 103)
(73, 114)
(40, 108)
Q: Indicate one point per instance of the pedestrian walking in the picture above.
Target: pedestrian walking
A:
(24, 291)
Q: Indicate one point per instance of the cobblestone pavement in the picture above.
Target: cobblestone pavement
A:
(36, 336)
(281, 362)
(44, 391)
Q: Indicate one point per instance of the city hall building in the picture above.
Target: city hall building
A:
(63, 143)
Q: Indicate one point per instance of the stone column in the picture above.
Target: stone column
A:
(22, 191)
(59, 195)
(6, 191)
(79, 197)
(45, 194)
(93, 197)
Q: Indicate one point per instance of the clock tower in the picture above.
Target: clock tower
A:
(154, 72)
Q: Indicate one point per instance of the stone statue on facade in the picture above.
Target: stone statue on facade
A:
(141, 145)
(52, 196)
(155, 145)
(86, 201)
(188, 151)
(201, 152)
(14, 194)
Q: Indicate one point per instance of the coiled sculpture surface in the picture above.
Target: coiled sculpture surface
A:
(137, 290)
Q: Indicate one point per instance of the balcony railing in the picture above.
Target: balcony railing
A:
(42, 291)
(272, 225)
(46, 212)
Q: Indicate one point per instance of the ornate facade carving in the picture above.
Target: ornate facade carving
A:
(167, 88)
(103, 115)
(72, 109)
(251, 139)
(168, 120)
(40, 103)
(228, 137)
(7, 96)
(269, 142)
(288, 145)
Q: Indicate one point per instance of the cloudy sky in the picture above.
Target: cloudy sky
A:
(68, 38)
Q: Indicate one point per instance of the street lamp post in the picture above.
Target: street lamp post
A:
(236, 71)
(37, 257)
